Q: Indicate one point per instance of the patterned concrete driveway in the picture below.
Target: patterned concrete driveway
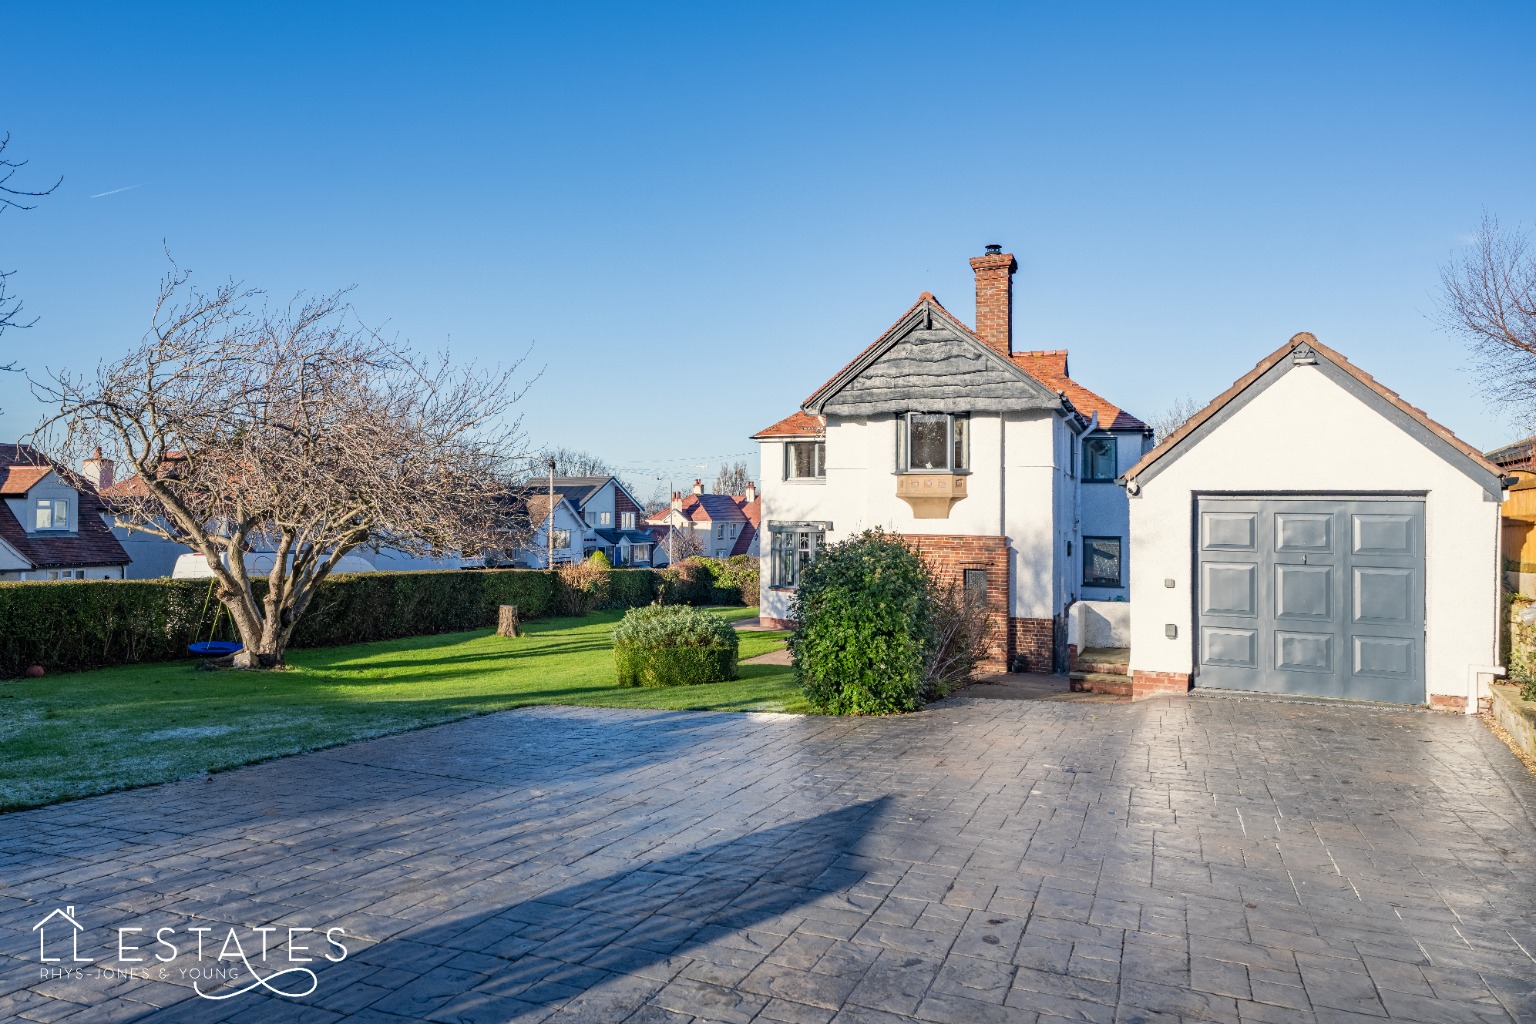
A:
(1205, 858)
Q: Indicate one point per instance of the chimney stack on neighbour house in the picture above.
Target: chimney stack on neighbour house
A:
(994, 298)
(751, 494)
(99, 470)
(698, 487)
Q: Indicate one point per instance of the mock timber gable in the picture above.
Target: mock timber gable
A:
(929, 361)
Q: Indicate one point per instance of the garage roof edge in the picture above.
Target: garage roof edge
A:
(1269, 369)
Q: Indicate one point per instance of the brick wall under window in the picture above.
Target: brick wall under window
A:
(949, 557)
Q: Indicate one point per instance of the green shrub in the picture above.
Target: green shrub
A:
(672, 645)
(600, 560)
(733, 579)
(632, 588)
(864, 634)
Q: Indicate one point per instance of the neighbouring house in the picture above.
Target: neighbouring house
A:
(569, 532)
(51, 524)
(714, 525)
(612, 520)
(998, 465)
(1272, 556)
(155, 557)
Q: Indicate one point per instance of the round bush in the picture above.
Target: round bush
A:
(673, 645)
(864, 632)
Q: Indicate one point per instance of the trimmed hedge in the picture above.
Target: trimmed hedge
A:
(662, 645)
(80, 624)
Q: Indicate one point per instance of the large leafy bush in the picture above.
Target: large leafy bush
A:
(673, 645)
(864, 632)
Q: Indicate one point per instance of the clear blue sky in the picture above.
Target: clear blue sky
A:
(697, 213)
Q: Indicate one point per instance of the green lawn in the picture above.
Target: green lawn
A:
(91, 732)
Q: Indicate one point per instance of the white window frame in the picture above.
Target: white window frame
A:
(627, 521)
(605, 519)
(818, 461)
(54, 506)
(559, 533)
(957, 443)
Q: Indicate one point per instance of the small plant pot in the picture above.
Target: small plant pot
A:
(35, 672)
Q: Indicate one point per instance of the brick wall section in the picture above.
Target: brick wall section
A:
(1035, 641)
(1446, 702)
(994, 299)
(1158, 684)
(622, 504)
(949, 556)
(771, 623)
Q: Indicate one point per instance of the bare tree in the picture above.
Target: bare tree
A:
(574, 462)
(293, 435)
(731, 479)
(12, 198)
(1489, 300)
(1173, 417)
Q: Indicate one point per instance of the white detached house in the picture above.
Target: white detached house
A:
(997, 465)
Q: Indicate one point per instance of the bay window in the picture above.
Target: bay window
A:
(793, 548)
(933, 442)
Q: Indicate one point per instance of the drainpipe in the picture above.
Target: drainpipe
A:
(1481, 677)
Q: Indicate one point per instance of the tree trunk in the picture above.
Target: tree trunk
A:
(507, 623)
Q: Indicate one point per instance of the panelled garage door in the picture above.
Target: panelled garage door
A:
(1323, 597)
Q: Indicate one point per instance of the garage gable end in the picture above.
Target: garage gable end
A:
(1304, 350)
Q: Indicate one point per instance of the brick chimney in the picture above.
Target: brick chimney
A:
(698, 487)
(677, 500)
(99, 470)
(751, 494)
(994, 298)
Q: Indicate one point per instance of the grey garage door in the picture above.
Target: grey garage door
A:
(1321, 597)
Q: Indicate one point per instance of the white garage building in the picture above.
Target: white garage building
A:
(1311, 533)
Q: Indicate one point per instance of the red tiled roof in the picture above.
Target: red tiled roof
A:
(1050, 369)
(1192, 424)
(797, 424)
(91, 544)
(16, 481)
(752, 510)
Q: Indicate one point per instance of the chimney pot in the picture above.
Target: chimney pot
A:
(994, 298)
(698, 487)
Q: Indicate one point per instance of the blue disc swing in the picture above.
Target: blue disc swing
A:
(212, 648)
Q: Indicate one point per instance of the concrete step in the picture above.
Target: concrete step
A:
(1108, 668)
(1116, 659)
(1100, 682)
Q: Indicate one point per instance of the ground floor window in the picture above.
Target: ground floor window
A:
(1101, 561)
(793, 549)
(975, 585)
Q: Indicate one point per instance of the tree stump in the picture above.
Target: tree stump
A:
(507, 623)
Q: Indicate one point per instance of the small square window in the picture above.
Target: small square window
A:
(1100, 461)
(1101, 561)
(975, 584)
(52, 514)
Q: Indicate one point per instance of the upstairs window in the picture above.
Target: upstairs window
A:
(1101, 463)
(52, 514)
(562, 538)
(805, 460)
(933, 442)
(605, 519)
(627, 520)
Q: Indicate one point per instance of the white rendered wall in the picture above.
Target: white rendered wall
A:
(1307, 434)
(1018, 487)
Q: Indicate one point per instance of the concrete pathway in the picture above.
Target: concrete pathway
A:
(1209, 859)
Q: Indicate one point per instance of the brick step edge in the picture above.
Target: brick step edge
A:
(1100, 682)
(1104, 668)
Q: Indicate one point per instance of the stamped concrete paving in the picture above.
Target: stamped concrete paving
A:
(986, 860)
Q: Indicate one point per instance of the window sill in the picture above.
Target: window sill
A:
(819, 481)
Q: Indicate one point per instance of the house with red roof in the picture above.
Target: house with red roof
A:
(714, 525)
(996, 464)
(51, 525)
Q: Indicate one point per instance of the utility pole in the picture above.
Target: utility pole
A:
(671, 525)
(550, 529)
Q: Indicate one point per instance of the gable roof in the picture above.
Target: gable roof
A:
(1050, 368)
(92, 543)
(16, 481)
(996, 383)
(1307, 350)
(796, 424)
(752, 510)
(1516, 455)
